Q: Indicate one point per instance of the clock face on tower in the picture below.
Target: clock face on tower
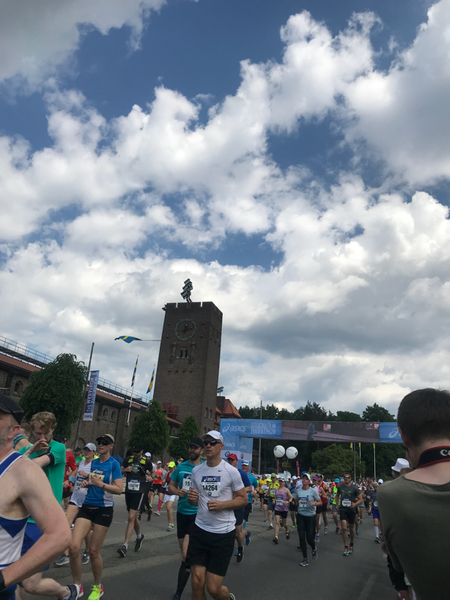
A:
(185, 329)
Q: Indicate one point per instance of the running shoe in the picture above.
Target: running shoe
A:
(317, 537)
(73, 592)
(346, 551)
(80, 591)
(350, 550)
(240, 554)
(377, 540)
(337, 528)
(122, 552)
(294, 526)
(138, 544)
(288, 535)
(85, 558)
(157, 513)
(304, 562)
(149, 514)
(275, 540)
(97, 592)
(357, 532)
(170, 527)
(270, 526)
(265, 520)
(248, 538)
(299, 547)
(325, 530)
(315, 554)
(62, 561)
(232, 596)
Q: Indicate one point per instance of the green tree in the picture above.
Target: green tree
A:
(179, 445)
(311, 412)
(377, 413)
(346, 415)
(58, 388)
(151, 429)
(335, 459)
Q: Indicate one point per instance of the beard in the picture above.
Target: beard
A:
(4, 435)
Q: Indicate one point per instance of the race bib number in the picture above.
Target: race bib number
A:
(273, 492)
(211, 486)
(77, 485)
(279, 501)
(100, 475)
(346, 502)
(187, 482)
(303, 502)
(134, 485)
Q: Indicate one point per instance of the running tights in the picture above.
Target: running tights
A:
(306, 527)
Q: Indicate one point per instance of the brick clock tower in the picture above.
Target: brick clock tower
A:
(188, 364)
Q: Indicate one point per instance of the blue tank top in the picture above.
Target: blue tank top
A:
(12, 531)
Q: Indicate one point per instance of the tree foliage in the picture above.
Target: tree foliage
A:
(179, 446)
(58, 388)
(151, 429)
(335, 459)
(377, 413)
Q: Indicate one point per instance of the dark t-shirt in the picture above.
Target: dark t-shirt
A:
(373, 496)
(136, 478)
(348, 494)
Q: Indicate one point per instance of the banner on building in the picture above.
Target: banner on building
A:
(90, 398)
(389, 433)
(255, 428)
(241, 446)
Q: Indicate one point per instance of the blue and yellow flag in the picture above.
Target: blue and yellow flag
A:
(128, 339)
(134, 372)
(150, 385)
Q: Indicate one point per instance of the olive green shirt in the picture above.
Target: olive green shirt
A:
(414, 519)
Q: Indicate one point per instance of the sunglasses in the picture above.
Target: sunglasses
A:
(211, 442)
(192, 447)
(103, 443)
(347, 477)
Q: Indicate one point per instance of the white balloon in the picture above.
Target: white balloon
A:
(292, 452)
(279, 451)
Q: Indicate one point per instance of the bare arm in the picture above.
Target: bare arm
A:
(36, 494)
(174, 490)
(112, 488)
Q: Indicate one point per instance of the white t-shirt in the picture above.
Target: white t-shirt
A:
(215, 483)
(79, 493)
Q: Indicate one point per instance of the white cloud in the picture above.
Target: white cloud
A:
(37, 37)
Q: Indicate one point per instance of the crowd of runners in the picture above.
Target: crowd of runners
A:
(214, 500)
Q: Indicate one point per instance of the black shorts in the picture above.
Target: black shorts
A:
(156, 487)
(210, 550)
(98, 515)
(347, 515)
(292, 507)
(247, 511)
(67, 492)
(282, 514)
(261, 494)
(134, 501)
(266, 501)
(184, 524)
(239, 514)
(320, 508)
(271, 505)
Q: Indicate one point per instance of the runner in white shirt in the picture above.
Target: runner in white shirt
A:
(217, 490)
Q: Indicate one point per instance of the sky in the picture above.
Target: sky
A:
(291, 158)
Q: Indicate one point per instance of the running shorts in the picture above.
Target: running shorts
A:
(32, 535)
(210, 550)
(185, 524)
(266, 501)
(271, 505)
(346, 515)
(247, 511)
(282, 514)
(375, 513)
(320, 508)
(134, 501)
(156, 487)
(172, 498)
(239, 514)
(98, 515)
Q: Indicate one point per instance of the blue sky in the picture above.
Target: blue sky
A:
(290, 158)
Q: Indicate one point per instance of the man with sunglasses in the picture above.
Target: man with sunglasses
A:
(217, 490)
(180, 484)
(350, 497)
(105, 479)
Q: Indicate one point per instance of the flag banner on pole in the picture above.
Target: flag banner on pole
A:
(351, 445)
(359, 444)
(90, 398)
(374, 446)
(134, 372)
(150, 385)
(128, 339)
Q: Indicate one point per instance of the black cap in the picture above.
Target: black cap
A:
(61, 438)
(10, 406)
(137, 447)
(197, 442)
(77, 449)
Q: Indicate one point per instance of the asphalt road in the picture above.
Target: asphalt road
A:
(268, 572)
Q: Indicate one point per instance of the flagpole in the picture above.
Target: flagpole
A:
(132, 390)
(259, 461)
(374, 464)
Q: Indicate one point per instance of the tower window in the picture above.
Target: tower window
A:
(183, 352)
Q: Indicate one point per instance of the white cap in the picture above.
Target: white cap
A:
(380, 481)
(306, 475)
(148, 454)
(401, 463)
(91, 446)
(214, 434)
